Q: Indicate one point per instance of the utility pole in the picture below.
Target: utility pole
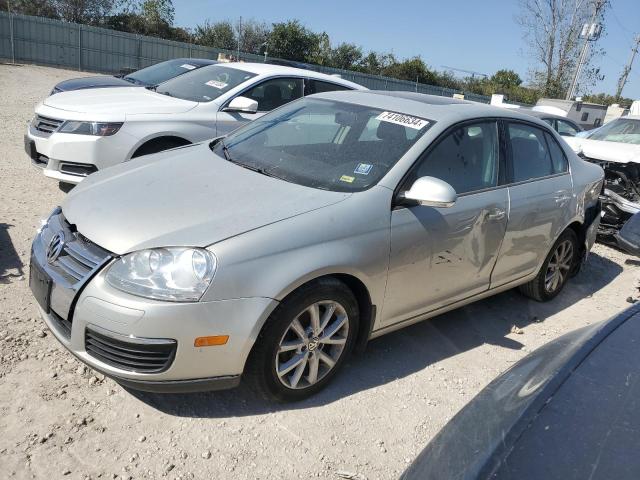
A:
(627, 69)
(239, 38)
(590, 31)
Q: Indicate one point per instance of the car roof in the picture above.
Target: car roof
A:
(270, 69)
(432, 107)
(538, 114)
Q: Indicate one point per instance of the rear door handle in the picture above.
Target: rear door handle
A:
(496, 214)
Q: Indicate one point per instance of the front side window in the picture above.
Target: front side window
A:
(529, 152)
(566, 129)
(204, 84)
(320, 144)
(275, 92)
(622, 130)
(467, 158)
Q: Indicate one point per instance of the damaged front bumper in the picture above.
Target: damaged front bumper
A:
(620, 199)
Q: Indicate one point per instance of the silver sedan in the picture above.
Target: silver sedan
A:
(273, 252)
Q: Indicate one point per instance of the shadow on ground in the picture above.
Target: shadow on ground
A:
(406, 351)
(10, 263)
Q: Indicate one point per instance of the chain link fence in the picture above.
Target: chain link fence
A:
(45, 41)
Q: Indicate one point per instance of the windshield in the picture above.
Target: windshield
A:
(621, 130)
(205, 84)
(160, 72)
(325, 144)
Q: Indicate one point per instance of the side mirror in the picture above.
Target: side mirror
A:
(242, 104)
(432, 192)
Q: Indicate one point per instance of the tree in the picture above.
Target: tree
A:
(218, 35)
(158, 13)
(254, 35)
(506, 79)
(413, 69)
(38, 8)
(346, 56)
(552, 30)
(91, 12)
(293, 41)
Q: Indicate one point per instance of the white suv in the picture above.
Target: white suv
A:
(74, 134)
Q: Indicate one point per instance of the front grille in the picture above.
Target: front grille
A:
(79, 256)
(46, 125)
(134, 355)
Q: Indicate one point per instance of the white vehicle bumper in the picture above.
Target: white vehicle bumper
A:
(70, 158)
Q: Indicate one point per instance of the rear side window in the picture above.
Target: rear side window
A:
(312, 86)
(467, 158)
(558, 158)
(530, 156)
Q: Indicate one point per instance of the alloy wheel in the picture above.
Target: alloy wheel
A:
(312, 344)
(559, 267)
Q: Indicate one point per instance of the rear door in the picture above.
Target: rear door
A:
(540, 198)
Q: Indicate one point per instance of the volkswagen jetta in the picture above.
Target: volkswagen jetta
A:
(271, 253)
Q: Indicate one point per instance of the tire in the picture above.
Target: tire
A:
(542, 288)
(159, 145)
(265, 358)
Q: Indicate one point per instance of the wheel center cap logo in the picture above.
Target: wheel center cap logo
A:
(313, 344)
(55, 247)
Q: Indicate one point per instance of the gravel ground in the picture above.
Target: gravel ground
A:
(61, 420)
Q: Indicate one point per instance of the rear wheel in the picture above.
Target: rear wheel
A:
(556, 269)
(305, 341)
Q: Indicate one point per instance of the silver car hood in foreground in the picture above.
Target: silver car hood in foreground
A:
(183, 197)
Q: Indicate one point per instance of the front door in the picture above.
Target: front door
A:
(442, 255)
(269, 94)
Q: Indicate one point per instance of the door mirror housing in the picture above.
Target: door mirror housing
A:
(431, 192)
(242, 104)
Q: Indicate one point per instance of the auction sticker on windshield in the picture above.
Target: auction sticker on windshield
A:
(216, 84)
(187, 66)
(404, 120)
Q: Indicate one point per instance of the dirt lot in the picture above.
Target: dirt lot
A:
(60, 420)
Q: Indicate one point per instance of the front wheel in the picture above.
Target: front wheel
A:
(305, 342)
(556, 269)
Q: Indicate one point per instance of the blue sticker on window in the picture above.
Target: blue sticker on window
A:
(363, 168)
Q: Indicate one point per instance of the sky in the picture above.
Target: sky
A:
(477, 35)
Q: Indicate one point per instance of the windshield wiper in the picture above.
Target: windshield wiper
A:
(253, 168)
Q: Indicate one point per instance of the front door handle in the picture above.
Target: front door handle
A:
(496, 214)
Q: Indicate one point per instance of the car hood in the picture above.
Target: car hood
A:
(110, 101)
(183, 197)
(92, 82)
(606, 151)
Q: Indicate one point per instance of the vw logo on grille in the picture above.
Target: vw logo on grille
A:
(55, 247)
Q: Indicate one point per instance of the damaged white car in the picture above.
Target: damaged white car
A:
(616, 148)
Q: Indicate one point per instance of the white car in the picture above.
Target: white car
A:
(616, 148)
(74, 134)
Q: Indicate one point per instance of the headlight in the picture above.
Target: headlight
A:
(99, 129)
(176, 274)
